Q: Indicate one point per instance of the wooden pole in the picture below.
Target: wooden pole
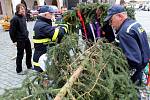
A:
(69, 84)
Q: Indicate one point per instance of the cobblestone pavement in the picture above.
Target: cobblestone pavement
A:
(8, 75)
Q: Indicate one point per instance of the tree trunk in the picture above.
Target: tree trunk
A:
(69, 84)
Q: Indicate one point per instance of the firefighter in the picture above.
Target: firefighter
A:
(45, 35)
(132, 39)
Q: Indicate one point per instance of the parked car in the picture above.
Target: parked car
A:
(146, 6)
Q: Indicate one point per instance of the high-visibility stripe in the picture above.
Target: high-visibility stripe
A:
(65, 29)
(64, 26)
(41, 40)
(128, 29)
(55, 34)
(36, 64)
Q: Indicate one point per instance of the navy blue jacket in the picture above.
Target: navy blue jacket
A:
(43, 29)
(134, 43)
(18, 28)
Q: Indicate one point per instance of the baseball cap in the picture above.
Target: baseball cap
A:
(46, 8)
(114, 10)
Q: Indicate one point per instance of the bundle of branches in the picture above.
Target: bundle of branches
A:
(88, 12)
(99, 73)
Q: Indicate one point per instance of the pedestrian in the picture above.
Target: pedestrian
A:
(45, 35)
(132, 40)
(19, 36)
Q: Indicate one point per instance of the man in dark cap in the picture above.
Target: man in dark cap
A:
(45, 35)
(132, 40)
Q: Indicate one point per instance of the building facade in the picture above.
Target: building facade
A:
(7, 7)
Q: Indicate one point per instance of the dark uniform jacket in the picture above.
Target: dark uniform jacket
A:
(43, 29)
(133, 41)
(44, 34)
(18, 29)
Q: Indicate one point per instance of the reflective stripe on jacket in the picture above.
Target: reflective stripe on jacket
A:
(47, 40)
(64, 26)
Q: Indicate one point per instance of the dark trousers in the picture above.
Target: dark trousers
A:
(21, 46)
(137, 77)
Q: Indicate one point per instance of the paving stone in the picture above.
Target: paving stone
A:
(8, 76)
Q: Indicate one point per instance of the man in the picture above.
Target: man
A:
(45, 35)
(132, 40)
(19, 36)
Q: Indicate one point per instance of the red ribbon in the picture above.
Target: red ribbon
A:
(82, 23)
